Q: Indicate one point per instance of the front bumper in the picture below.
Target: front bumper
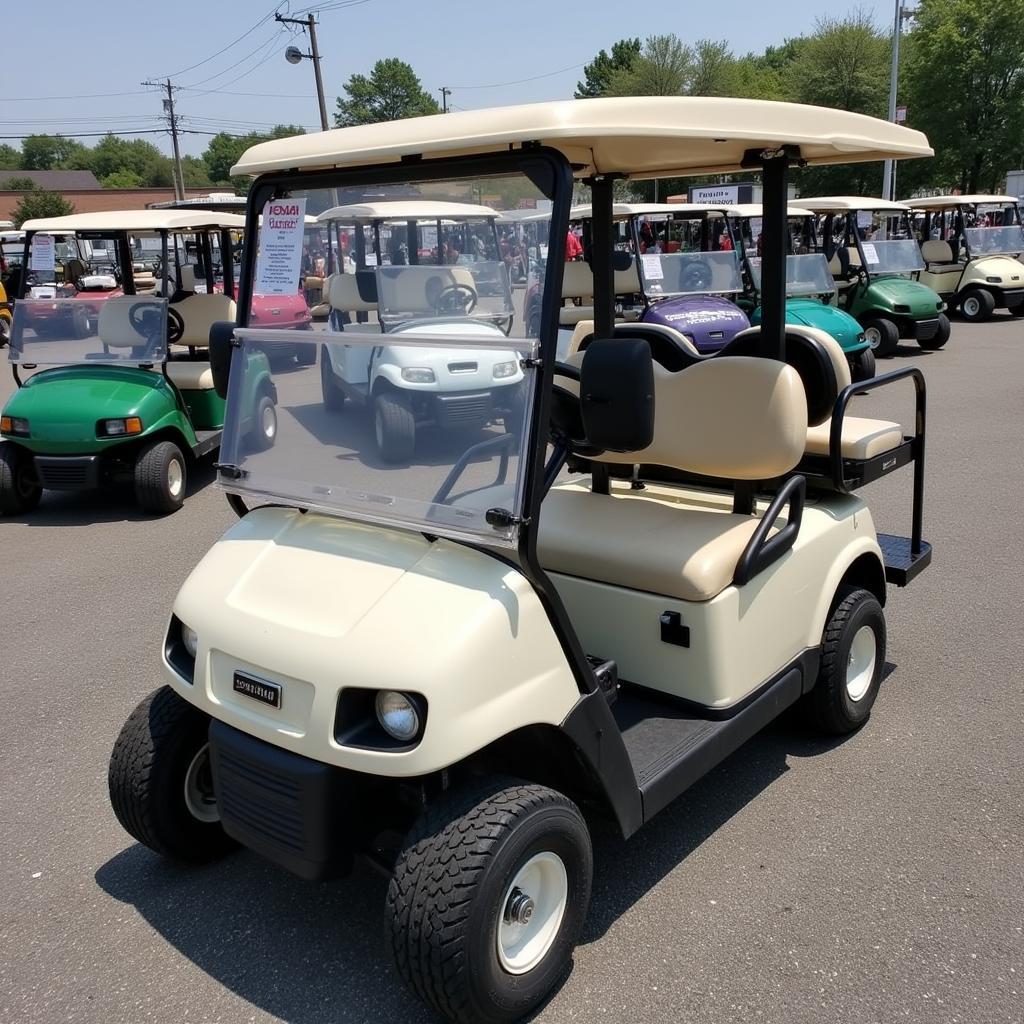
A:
(67, 472)
(925, 330)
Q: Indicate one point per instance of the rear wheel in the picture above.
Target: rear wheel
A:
(394, 426)
(160, 477)
(305, 355)
(18, 490)
(977, 305)
(264, 430)
(939, 338)
(862, 365)
(883, 336)
(488, 898)
(333, 396)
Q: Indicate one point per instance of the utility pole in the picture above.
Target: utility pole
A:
(309, 24)
(445, 93)
(889, 173)
(179, 178)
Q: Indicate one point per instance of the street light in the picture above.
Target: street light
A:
(889, 173)
(294, 55)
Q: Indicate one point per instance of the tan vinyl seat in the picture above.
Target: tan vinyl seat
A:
(938, 257)
(578, 283)
(190, 375)
(835, 267)
(343, 295)
(585, 329)
(738, 419)
(199, 312)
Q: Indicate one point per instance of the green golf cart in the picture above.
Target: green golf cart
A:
(876, 263)
(124, 392)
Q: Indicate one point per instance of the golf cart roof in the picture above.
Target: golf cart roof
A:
(946, 202)
(623, 210)
(744, 210)
(829, 204)
(136, 221)
(407, 209)
(642, 137)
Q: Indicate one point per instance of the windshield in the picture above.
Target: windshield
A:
(987, 241)
(806, 274)
(477, 291)
(690, 273)
(901, 256)
(120, 329)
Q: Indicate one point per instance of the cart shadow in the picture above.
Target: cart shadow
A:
(305, 952)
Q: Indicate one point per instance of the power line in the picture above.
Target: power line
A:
(82, 96)
(257, 64)
(92, 135)
(519, 81)
(266, 42)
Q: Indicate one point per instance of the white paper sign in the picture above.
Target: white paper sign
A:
(652, 267)
(371, 259)
(43, 254)
(728, 195)
(870, 252)
(280, 252)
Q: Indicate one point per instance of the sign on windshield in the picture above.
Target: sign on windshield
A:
(690, 273)
(806, 274)
(899, 256)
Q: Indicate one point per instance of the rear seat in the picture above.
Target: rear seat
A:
(578, 284)
(835, 266)
(342, 291)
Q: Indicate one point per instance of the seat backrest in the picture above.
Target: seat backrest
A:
(188, 278)
(835, 266)
(115, 328)
(577, 280)
(672, 349)
(853, 256)
(935, 250)
(734, 419)
(627, 282)
(343, 294)
(199, 313)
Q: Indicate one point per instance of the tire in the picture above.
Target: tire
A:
(5, 330)
(883, 336)
(533, 321)
(977, 305)
(453, 883)
(80, 323)
(862, 365)
(264, 429)
(159, 783)
(1015, 310)
(852, 659)
(18, 490)
(394, 426)
(160, 477)
(939, 338)
(333, 396)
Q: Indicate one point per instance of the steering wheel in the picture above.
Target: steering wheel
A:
(175, 326)
(696, 276)
(455, 298)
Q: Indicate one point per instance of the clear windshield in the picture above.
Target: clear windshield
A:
(806, 274)
(1007, 240)
(901, 256)
(690, 273)
(120, 329)
(438, 450)
(476, 291)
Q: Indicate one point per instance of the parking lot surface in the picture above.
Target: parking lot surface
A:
(877, 879)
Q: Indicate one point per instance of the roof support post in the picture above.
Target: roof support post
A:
(774, 169)
(601, 255)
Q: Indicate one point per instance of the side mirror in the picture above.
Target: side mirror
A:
(617, 395)
(221, 334)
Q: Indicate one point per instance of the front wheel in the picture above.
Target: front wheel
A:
(977, 305)
(883, 336)
(394, 426)
(264, 431)
(160, 782)
(160, 477)
(488, 899)
(305, 355)
(862, 365)
(19, 491)
(1017, 309)
(939, 338)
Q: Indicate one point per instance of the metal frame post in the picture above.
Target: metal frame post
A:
(775, 175)
(601, 255)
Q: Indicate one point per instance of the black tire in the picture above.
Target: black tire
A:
(264, 427)
(159, 487)
(939, 338)
(533, 321)
(394, 426)
(447, 893)
(149, 766)
(333, 396)
(80, 322)
(835, 706)
(977, 305)
(862, 365)
(1017, 309)
(883, 335)
(18, 490)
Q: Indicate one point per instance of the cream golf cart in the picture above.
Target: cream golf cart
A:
(418, 260)
(441, 665)
(970, 245)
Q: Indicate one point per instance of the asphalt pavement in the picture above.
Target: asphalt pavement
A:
(868, 881)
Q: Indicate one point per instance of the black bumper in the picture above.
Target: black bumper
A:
(925, 330)
(67, 472)
(290, 809)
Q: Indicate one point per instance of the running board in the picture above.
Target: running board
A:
(206, 441)
(902, 563)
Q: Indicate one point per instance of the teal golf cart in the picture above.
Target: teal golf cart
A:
(124, 390)
(877, 264)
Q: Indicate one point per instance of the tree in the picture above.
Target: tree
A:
(390, 93)
(10, 158)
(125, 178)
(597, 75)
(18, 184)
(965, 88)
(49, 152)
(40, 203)
(663, 68)
(130, 160)
(223, 151)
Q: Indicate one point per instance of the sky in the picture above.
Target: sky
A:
(229, 61)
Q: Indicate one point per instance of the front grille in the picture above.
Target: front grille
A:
(926, 329)
(463, 410)
(262, 802)
(67, 474)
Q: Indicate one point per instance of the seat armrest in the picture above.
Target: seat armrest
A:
(762, 550)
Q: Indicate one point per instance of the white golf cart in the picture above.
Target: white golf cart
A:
(970, 245)
(416, 260)
(441, 666)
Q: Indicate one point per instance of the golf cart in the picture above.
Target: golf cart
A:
(877, 265)
(127, 394)
(440, 666)
(11, 253)
(971, 247)
(409, 266)
(810, 286)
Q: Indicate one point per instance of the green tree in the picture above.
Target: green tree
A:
(195, 173)
(133, 160)
(50, 152)
(391, 92)
(125, 178)
(663, 68)
(223, 151)
(19, 184)
(40, 203)
(10, 158)
(965, 88)
(597, 75)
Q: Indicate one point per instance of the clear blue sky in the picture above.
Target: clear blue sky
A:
(72, 51)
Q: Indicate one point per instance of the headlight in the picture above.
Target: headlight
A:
(504, 369)
(418, 375)
(397, 715)
(120, 428)
(14, 425)
(190, 638)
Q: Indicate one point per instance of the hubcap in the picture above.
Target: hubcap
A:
(531, 912)
(175, 477)
(971, 306)
(860, 666)
(269, 422)
(199, 798)
(874, 336)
